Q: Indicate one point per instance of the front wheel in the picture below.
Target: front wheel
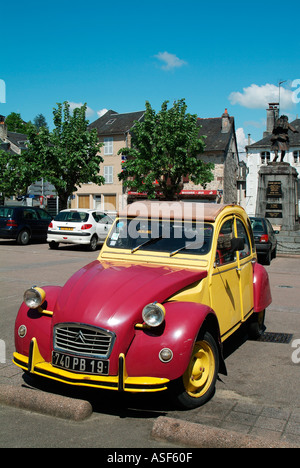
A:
(197, 385)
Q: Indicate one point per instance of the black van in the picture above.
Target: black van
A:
(23, 223)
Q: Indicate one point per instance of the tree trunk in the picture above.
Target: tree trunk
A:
(63, 200)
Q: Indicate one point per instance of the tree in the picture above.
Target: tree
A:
(39, 121)
(165, 148)
(9, 174)
(69, 155)
(18, 171)
(15, 123)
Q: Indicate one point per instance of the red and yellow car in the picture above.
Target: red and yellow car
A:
(172, 282)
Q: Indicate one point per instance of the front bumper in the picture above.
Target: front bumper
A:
(35, 364)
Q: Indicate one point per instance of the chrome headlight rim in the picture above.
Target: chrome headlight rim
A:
(154, 314)
(34, 297)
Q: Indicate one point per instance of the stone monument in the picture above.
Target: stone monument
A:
(277, 196)
(280, 136)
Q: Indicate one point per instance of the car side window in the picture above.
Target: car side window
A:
(96, 217)
(241, 232)
(29, 214)
(270, 227)
(224, 253)
(43, 214)
(103, 218)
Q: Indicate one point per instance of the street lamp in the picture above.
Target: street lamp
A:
(279, 84)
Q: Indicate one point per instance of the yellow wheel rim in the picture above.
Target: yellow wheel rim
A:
(200, 372)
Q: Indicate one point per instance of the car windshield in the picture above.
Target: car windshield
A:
(158, 235)
(72, 216)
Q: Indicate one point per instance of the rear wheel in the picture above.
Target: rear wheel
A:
(53, 245)
(268, 257)
(23, 237)
(197, 385)
(93, 243)
(257, 325)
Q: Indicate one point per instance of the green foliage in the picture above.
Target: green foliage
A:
(39, 121)
(68, 156)
(9, 175)
(165, 148)
(15, 123)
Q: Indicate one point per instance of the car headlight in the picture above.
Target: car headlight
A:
(154, 314)
(34, 297)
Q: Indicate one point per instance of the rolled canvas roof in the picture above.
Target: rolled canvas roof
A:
(173, 210)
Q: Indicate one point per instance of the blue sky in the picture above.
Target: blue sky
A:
(116, 55)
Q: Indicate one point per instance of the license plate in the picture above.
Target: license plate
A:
(66, 229)
(79, 364)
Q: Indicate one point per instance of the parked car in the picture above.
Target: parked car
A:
(79, 226)
(265, 239)
(23, 223)
(172, 283)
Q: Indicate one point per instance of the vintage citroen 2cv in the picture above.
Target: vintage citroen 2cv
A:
(172, 282)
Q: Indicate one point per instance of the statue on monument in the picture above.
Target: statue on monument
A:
(280, 137)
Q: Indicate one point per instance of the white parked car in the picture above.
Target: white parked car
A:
(79, 226)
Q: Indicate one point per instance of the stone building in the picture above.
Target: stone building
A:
(220, 149)
(114, 132)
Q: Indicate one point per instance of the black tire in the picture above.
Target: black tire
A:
(268, 258)
(197, 385)
(256, 325)
(93, 243)
(53, 245)
(23, 237)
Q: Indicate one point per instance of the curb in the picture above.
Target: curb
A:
(200, 436)
(45, 403)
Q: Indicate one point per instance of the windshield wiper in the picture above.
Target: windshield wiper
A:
(187, 246)
(148, 241)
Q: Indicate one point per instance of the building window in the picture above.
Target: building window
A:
(265, 157)
(296, 156)
(108, 146)
(108, 174)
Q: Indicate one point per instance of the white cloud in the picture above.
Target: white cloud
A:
(258, 97)
(242, 141)
(74, 105)
(101, 112)
(170, 61)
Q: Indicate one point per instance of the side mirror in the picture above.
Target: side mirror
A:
(237, 244)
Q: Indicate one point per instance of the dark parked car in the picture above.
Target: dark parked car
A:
(23, 223)
(265, 239)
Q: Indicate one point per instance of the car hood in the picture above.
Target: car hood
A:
(112, 295)
(111, 292)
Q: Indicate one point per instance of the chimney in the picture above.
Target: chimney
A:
(225, 122)
(3, 128)
(272, 116)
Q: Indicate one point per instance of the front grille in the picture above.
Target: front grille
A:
(83, 339)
